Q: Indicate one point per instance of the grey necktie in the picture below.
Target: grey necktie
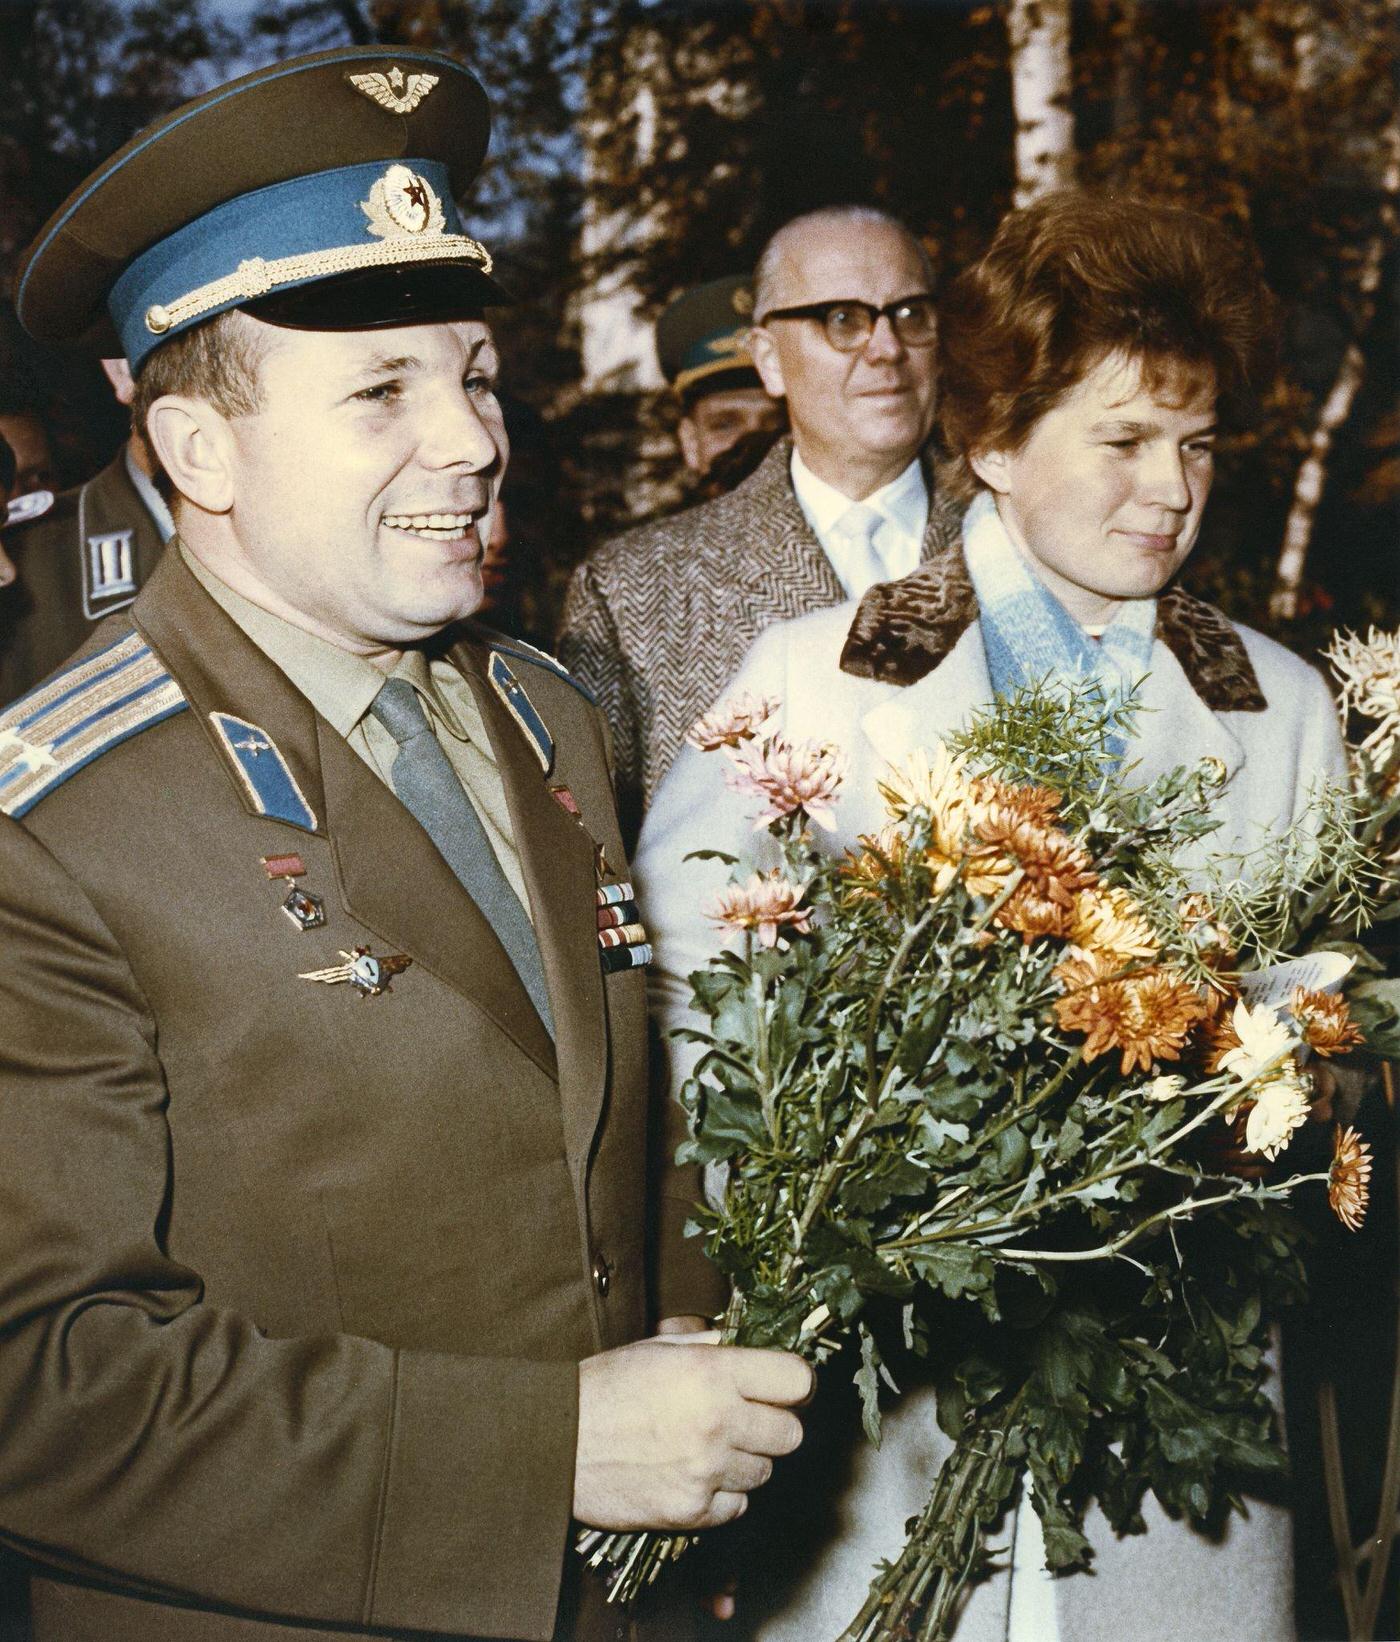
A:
(424, 779)
(858, 527)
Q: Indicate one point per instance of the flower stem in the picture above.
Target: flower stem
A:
(922, 1585)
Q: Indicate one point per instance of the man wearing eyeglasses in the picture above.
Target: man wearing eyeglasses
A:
(658, 620)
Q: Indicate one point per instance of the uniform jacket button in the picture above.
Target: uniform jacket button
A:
(602, 1274)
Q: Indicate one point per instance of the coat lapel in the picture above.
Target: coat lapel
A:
(557, 858)
(221, 670)
(1175, 725)
(791, 573)
(935, 705)
(1172, 717)
(391, 877)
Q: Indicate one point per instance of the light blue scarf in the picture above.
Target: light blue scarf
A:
(1028, 634)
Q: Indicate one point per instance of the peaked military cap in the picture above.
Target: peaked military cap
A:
(702, 337)
(317, 192)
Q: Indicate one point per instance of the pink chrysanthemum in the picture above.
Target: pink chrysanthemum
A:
(788, 777)
(767, 905)
(732, 722)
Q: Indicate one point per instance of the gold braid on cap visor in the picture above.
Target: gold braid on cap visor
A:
(257, 276)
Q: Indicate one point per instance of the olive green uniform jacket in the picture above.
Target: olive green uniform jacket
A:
(75, 564)
(294, 1282)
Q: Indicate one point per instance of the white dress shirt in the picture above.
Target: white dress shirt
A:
(902, 505)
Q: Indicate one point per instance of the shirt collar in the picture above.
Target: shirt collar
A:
(338, 685)
(146, 490)
(903, 501)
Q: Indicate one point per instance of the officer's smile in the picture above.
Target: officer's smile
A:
(434, 527)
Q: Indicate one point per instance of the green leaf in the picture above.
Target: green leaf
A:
(868, 1384)
(953, 1268)
(727, 1126)
(919, 1039)
(1375, 1007)
(1069, 1142)
(1065, 1546)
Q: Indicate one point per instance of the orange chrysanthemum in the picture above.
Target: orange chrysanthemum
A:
(1030, 915)
(1056, 869)
(1219, 1036)
(1090, 1004)
(1162, 1009)
(1145, 1017)
(1325, 1021)
(880, 857)
(1349, 1180)
(1037, 805)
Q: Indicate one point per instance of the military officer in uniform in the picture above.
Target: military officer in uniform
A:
(326, 1270)
(78, 557)
(702, 341)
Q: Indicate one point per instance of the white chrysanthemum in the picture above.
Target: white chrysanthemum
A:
(1369, 672)
(1264, 1038)
(1280, 1106)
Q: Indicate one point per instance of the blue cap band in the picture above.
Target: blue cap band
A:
(290, 233)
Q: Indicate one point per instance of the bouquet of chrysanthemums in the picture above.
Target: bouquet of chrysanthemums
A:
(1007, 1057)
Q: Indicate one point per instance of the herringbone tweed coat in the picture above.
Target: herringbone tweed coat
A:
(658, 620)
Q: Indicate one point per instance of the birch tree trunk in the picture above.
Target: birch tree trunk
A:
(618, 344)
(1312, 475)
(1040, 96)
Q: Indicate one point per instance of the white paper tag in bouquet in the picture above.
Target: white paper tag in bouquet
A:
(1318, 972)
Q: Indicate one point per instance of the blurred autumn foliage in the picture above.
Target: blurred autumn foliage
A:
(641, 148)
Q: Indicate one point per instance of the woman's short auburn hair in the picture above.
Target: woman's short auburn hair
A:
(1078, 277)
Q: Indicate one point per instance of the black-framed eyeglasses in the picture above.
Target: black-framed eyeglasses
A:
(848, 324)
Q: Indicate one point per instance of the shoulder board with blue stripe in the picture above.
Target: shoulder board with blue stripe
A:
(82, 712)
(518, 650)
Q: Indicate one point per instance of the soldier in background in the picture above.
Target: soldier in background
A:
(79, 556)
(702, 342)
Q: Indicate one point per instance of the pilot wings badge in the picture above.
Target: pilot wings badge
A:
(368, 975)
(396, 91)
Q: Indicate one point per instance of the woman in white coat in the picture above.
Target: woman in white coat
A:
(1087, 364)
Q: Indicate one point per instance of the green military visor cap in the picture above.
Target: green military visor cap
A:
(702, 337)
(318, 193)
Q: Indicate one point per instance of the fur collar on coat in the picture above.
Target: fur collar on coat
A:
(904, 629)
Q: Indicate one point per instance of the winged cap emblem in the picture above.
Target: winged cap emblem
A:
(400, 93)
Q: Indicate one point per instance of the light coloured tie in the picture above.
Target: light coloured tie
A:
(857, 527)
(423, 777)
